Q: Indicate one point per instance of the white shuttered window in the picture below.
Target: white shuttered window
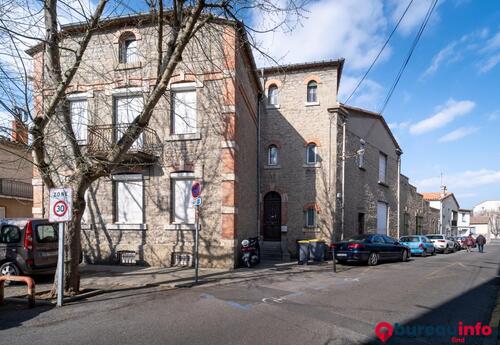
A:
(183, 210)
(382, 218)
(79, 120)
(129, 199)
(127, 109)
(382, 168)
(184, 117)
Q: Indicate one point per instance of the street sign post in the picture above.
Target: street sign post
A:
(60, 211)
(195, 192)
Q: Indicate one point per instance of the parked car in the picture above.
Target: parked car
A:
(458, 245)
(419, 245)
(370, 248)
(28, 246)
(442, 243)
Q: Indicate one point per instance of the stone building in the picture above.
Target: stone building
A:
(277, 155)
(417, 216)
(205, 125)
(16, 191)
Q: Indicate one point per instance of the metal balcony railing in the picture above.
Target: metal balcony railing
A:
(101, 139)
(13, 188)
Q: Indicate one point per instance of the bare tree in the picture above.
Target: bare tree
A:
(495, 224)
(60, 53)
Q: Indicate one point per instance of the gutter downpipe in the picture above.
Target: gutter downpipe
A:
(259, 99)
(344, 130)
(399, 193)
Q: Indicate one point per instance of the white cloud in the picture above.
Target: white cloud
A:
(454, 51)
(354, 29)
(462, 180)
(494, 115)
(445, 115)
(415, 15)
(457, 134)
(369, 94)
(399, 125)
(489, 63)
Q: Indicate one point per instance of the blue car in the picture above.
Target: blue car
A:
(419, 245)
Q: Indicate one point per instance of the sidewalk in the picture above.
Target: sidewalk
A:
(108, 278)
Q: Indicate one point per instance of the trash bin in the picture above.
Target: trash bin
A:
(303, 251)
(317, 250)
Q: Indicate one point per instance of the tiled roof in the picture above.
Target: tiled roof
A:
(435, 196)
(480, 220)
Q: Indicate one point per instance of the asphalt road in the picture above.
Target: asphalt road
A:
(308, 308)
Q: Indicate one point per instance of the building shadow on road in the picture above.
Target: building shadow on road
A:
(472, 307)
(14, 314)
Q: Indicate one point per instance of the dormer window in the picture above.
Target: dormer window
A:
(312, 89)
(272, 95)
(128, 48)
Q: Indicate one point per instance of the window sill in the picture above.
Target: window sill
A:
(383, 184)
(126, 66)
(179, 226)
(87, 226)
(272, 106)
(182, 137)
(310, 229)
(316, 165)
(126, 226)
(311, 104)
(271, 167)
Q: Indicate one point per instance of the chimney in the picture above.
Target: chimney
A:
(19, 132)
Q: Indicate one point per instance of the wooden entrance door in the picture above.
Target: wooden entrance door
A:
(272, 217)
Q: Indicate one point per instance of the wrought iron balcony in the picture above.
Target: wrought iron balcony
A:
(17, 189)
(101, 138)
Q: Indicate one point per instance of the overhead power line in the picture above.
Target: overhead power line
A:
(380, 52)
(410, 53)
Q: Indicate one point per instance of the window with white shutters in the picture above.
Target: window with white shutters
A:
(129, 199)
(79, 119)
(126, 110)
(382, 218)
(182, 209)
(382, 168)
(184, 117)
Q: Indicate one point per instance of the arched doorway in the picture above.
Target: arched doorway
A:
(272, 217)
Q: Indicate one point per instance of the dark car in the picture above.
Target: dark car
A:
(28, 246)
(456, 241)
(370, 248)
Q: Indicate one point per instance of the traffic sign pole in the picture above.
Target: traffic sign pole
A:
(60, 267)
(196, 243)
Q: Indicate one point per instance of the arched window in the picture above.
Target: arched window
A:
(272, 95)
(128, 48)
(272, 155)
(311, 155)
(312, 88)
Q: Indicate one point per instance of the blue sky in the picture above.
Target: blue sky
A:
(445, 111)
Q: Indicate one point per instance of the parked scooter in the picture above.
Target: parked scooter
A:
(250, 251)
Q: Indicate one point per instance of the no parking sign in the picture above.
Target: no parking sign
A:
(60, 204)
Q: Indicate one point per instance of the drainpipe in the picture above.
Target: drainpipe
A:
(343, 176)
(398, 152)
(259, 99)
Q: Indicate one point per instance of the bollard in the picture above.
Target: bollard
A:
(29, 282)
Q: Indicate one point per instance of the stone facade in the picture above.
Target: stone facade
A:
(417, 216)
(221, 154)
(322, 180)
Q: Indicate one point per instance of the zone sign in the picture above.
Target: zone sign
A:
(60, 204)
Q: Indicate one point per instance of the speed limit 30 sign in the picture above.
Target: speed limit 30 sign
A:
(60, 204)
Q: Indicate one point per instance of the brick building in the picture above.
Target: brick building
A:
(277, 154)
